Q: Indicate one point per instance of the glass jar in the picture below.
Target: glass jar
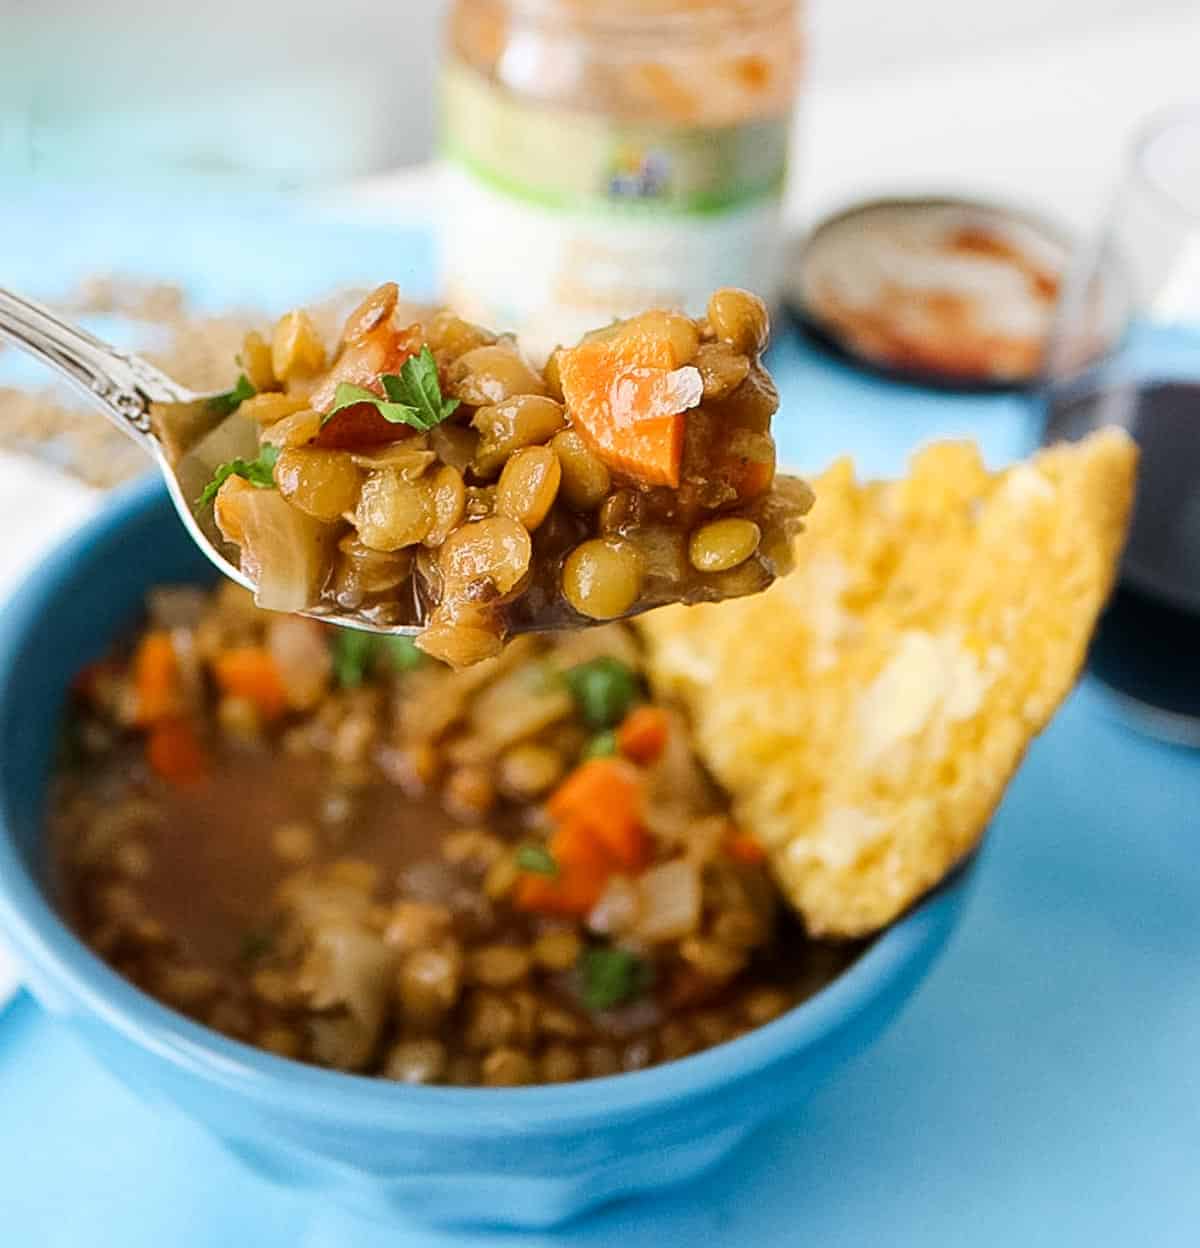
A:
(605, 158)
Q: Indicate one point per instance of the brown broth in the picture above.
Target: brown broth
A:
(213, 871)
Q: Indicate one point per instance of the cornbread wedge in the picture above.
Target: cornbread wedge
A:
(868, 710)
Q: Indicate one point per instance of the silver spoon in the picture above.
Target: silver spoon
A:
(185, 433)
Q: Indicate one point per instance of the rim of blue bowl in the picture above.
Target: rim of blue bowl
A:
(45, 940)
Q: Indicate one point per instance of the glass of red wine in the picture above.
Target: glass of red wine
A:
(1145, 263)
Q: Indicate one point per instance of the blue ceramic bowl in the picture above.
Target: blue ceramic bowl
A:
(525, 1157)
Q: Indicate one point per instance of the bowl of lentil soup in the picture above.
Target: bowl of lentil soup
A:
(384, 1101)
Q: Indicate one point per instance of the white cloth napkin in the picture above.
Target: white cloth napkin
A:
(38, 507)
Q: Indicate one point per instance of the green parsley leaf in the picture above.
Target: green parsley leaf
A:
(537, 859)
(356, 652)
(352, 654)
(347, 395)
(602, 745)
(414, 397)
(612, 977)
(228, 403)
(604, 690)
(418, 387)
(401, 652)
(259, 472)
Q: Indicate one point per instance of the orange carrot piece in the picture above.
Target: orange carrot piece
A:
(619, 396)
(642, 735)
(174, 751)
(593, 783)
(574, 844)
(251, 672)
(603, 797)
(155, 677)
(541, 894)
(571, 893)
(598, 812)
(744, 848)
(626, 840)
(584, 866)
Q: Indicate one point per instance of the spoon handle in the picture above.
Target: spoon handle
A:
(122, 386)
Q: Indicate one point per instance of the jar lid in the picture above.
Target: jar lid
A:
(943, 291)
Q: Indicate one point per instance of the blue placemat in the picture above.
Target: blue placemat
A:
(1042, 1089)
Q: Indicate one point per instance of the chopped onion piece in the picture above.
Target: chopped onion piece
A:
(283, 551)
(301, 653)
(669, 897)
(349, 966)
(617, 909)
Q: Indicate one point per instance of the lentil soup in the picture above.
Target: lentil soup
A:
(425, 473)
(328, 845)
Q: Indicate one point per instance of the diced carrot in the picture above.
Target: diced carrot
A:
(642, 735)
(574, 844)
(174, 751)
(155, 678)
(627, 841)
(541, 894)
(622, 398)
(599, 833)
(744, 848)
(251, 672)
(571, 893)
(603, 797)
(584, 866)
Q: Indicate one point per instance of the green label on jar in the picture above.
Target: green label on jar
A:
(576, 161)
